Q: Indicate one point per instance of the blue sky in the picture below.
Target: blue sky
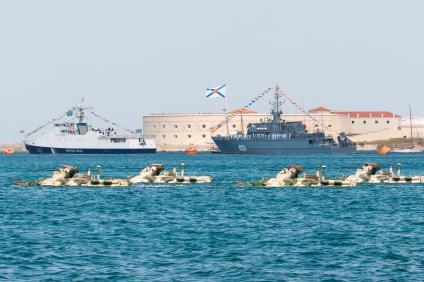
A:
(129, 58)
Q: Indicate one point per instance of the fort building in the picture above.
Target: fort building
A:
(176, 132)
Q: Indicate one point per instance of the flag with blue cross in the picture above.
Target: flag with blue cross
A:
(216, 92)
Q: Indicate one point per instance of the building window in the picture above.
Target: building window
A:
(189, 136)
(204, 125)
(234, 126)
(353, 122)
(154, 126)
(175, 126)
(376, 122)
(163, 126)
(175, 135)
(163, 136)
(204, 136)
(189, 126)
(316, 125)
(388, 121)
(365, 122)
(329, 125)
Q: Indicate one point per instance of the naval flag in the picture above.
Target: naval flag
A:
(216, 92)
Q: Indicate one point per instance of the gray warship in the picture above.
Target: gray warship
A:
(278, 137)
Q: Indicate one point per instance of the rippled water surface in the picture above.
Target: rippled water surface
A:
(214, 232)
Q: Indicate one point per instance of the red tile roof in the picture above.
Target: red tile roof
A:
(371, 114)
(243, 111)
(319, 109)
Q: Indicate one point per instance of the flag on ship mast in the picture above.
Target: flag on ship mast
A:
(216, 92)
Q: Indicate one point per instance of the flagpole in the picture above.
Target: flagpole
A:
(226, 112)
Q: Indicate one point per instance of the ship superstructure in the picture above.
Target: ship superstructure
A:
(277, 136)
(72, 133)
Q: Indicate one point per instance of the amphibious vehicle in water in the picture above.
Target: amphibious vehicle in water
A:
(73, 134)
(279, 137)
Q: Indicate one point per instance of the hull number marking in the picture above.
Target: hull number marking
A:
(242, 148)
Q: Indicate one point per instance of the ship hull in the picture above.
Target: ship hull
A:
(52, 150)
(273, 147)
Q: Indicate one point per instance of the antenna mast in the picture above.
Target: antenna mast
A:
(276, 111)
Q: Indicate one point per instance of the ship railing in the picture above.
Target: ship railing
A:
(272, 137)
(259, 137)
(117, 135)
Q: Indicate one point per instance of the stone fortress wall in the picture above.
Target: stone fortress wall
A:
(176, 132)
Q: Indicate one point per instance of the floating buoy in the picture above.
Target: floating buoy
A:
(8, 151)
(191, 151)
(383, 150)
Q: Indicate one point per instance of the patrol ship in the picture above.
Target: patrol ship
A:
(73, 134)
(279, 137)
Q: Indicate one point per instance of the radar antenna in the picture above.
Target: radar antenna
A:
(276, 104)
(80, 114)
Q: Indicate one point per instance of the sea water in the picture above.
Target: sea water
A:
(212, 232)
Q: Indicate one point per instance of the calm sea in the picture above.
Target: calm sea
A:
(213, 232)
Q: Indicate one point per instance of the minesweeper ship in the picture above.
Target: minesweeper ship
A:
(282, 138)
(73, 134)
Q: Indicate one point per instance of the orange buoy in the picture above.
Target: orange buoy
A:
(8, 151)
(383, 150)
(191, 151)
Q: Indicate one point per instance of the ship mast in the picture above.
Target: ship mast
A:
(276, 105)
(80, 108)
(241, 122)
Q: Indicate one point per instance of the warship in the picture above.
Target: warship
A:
(72, 133)
(279, 137)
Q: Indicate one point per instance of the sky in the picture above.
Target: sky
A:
(131, 58)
